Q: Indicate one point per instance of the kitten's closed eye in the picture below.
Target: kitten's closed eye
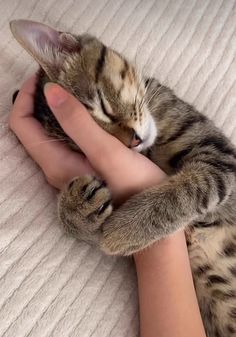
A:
(105, 109)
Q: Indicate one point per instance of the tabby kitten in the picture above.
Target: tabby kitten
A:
(200, 194)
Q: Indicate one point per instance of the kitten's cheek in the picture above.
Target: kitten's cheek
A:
(151, 134)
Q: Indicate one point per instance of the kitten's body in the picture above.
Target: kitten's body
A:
(212, 236)
(200, 194)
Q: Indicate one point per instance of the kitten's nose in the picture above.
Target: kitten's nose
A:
(136, 140)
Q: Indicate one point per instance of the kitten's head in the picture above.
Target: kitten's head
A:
(110, 87)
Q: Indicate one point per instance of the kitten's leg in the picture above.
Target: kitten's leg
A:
(159, 211)
(84, 205)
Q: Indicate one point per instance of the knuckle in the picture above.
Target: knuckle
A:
(54, 177)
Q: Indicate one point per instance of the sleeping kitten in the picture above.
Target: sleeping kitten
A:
(200, 194)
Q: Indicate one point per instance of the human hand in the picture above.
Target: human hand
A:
(125, 171)
(48, 153)
(160, 269)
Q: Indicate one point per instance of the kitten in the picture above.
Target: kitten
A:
(200, 194)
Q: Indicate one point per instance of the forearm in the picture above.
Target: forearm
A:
(168, 303)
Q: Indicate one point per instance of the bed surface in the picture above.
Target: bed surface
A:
(50, 284)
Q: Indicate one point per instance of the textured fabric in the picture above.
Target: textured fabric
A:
(50, 284)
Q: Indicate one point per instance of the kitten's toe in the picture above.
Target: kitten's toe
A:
(83, 207)
(91, 196)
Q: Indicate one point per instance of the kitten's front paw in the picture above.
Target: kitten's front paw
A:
(130, 228)
(84, 205)
(122, 233)
(117, 243)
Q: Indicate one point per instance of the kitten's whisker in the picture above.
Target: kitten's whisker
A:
(48, 141)
(140, 77)
(143, 101)
(139, 85)
(145, 90)
(153, 94)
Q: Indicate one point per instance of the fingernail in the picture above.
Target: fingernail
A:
(55, 95)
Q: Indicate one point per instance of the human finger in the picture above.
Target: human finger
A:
(81, 127)
(57, 161)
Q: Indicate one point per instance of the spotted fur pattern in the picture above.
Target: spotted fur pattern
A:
(200, 194)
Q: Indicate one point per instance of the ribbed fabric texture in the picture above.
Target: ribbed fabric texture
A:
(50, 284)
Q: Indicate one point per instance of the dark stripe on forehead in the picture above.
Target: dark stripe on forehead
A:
(230, 329)
(100, 63)
(124, 70)
(233, 313)
(233, 270)
(202, 270)
(216, 279)
(123, 73)
(230, 249)
(203, 224)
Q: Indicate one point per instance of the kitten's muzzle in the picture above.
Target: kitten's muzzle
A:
(136, 140)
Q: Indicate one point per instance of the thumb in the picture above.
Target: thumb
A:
(80, 126)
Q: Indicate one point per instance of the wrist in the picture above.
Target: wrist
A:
(166, 290)
(133, 179)
(161, 251)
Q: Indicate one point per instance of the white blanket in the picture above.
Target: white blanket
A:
(50, 284)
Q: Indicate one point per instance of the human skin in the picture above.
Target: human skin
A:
(168, 304)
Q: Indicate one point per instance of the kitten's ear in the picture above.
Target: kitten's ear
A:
(48, 46)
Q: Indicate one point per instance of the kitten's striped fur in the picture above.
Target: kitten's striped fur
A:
(200, 194)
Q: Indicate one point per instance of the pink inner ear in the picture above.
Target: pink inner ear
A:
(44, 43)
(45, 36)
(28, 32)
